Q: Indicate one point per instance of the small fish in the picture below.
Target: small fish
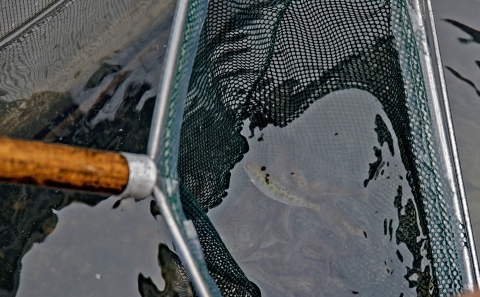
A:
(297, 194)
(273, 188)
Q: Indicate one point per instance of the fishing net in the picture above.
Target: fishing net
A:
(308, 138)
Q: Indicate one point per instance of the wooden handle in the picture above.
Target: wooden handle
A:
(62, 166)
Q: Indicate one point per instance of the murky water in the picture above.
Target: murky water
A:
(458, 28)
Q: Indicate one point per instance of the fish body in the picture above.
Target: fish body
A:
(295, 191)
(274, 188)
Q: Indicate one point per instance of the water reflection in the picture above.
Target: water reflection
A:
(475, 34)
(52, 242)
(459, 37)
(460, 77)
(95, 251)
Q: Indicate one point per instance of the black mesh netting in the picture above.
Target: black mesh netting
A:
(268, 61)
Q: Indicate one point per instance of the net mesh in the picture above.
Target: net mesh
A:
(264, 63)
(14, 16)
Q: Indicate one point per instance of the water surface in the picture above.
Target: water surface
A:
(458, 29)
(322, 206)
(89, 81)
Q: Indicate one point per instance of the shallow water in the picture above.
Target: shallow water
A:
(335, 226)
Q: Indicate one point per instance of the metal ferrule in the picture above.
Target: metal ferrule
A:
(142, 176)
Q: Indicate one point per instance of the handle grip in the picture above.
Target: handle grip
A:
(62, 166)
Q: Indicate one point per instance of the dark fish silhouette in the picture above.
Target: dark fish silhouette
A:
(97, 77)
(470, 31)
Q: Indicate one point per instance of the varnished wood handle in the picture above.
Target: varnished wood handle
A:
(62, 166)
